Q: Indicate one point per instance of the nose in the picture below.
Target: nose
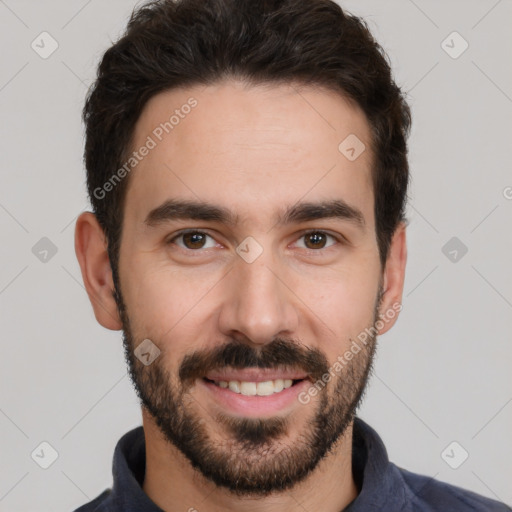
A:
(259, 304)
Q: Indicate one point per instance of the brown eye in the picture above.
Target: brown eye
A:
(193, 240)
(317, 240)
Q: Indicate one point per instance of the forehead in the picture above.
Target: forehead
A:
(251, 149)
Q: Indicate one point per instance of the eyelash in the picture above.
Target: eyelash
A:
(338, 239)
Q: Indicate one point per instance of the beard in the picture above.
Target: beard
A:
(253, 457)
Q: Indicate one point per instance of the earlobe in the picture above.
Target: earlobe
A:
(393, 281)
(91, 252)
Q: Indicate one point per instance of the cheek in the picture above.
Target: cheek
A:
(163, 303)
(341, 304)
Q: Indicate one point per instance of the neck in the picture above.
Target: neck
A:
(174, 485)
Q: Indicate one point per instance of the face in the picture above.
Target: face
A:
(249, 258)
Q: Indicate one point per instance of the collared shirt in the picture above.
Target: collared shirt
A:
(383, 486)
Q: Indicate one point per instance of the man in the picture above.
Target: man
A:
(247, 167)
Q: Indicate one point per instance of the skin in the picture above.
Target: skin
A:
(254, 150)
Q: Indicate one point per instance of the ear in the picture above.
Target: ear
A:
(91, 251)
(393, 280)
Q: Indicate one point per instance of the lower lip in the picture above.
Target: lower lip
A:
(255, 406)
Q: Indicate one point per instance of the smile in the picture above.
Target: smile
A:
(247, 388)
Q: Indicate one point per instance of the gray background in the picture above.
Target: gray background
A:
(443, 372)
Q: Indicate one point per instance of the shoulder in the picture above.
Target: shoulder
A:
(429, 494)
(99, 504)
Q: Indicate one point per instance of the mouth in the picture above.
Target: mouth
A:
(251, 388)
(254, 392)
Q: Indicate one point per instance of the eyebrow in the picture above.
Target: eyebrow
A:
(178, 209)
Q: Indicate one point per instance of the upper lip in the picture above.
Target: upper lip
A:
(255, 374)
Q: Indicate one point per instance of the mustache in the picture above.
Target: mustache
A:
(279, 353)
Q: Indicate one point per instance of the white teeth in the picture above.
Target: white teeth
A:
(234, 385)
(278, 385)
(265, 388)
(248, 388)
